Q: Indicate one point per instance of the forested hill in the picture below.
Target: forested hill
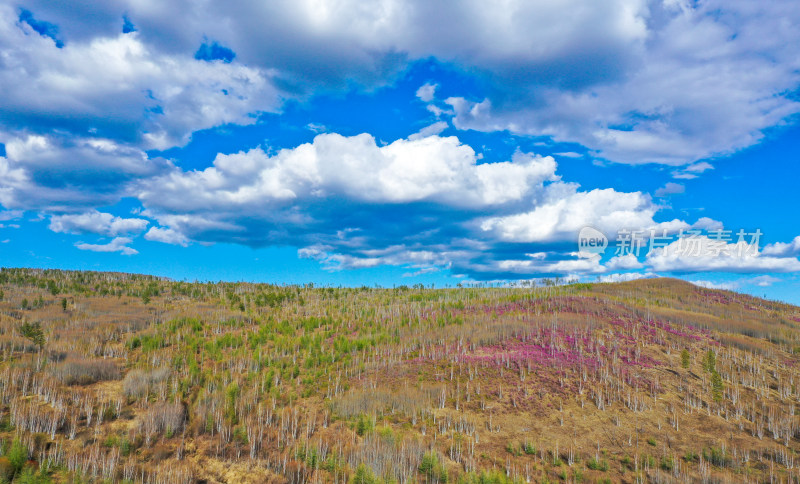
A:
(133, 378)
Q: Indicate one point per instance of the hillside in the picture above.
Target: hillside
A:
(129, 378)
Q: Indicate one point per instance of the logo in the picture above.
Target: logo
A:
(591, 243)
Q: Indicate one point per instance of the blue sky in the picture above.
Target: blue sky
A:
(404, 142)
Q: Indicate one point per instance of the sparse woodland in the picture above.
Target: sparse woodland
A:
(108, 377)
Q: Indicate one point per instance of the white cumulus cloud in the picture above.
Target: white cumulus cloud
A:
(702, 254)
(433, 169)
(118, 244)
(783, 249)
(166, 235)
(564, 212)
(120, 87)
(95, 222)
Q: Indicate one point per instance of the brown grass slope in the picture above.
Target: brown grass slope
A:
(141, 379)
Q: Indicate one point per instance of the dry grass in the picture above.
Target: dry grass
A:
(257, 383)
(83, 371)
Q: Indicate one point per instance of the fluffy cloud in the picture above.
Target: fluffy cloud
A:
(333, 43)
(430, 130)
(431, 169)
(625, 276)
(782, 249)
(95, 222)
(670, 189)
(759, 281)
(426, 91)
(537, 265)
(77, 113)
(348, 202)
(118, 87)
(635, 80)
(704, 254)
(118, 244)
(623, 262)
(692, 171)
(426, 260)
(710, 79)
(764, 281)
(727, 286)
(564, 211)
(7, 215)
(631, 80)
(63, 174)
(166, 235)
(351, 203)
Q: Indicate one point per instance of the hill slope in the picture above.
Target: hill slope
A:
(135, 378)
